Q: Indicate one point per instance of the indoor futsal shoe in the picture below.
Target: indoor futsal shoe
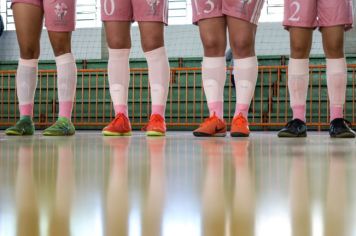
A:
(24, 126)
(156, 126)
(239, 127)
(211, 127)
(294, 129)
(120, 126)
(340, 128)
(62, 127)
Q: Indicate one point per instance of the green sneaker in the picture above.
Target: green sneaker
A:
(62, 127)
(24, 126)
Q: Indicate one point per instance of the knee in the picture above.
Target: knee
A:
(243, 47)
(214, 46)
(119, 43)
(152, 42)
(60, 49)
(334, 50)
(299, 51)
(30, 52)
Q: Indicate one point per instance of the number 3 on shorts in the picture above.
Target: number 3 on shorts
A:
(210, 6)
(295, 5)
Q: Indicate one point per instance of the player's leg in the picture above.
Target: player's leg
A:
(242, 41)
(119, 46)
(212, 27)
(60, 24)
(28, 21)
(213, 36)
(117, 22)
(336, 66)
(298, 81)
(242, 19)
(300, 20)
(151, 20)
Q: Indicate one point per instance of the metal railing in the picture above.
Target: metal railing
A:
(186, 106)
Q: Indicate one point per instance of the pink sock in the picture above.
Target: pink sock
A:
(246, 72)
(26, 83)
(216, 108)
(67, 83)
(158, 109)
(299, 112)
(121, 109)
(65, 109)
(298, 82)
(159, 77)
(336, 112)
(337, 82)
(26, 110)
(119, 78)
(243, 109)
(214, 77)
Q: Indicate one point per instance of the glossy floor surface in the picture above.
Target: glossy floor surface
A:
(89, 185)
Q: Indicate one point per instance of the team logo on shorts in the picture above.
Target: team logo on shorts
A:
(242, 8)
(153, 6)
(61, 10)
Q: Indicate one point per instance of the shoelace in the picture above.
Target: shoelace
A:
(240, 120)
(153, 118)
(121, 119)
(208, 120)
(347, 122)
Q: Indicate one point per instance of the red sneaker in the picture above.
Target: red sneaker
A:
(239, 127)
(156, 126)
(120, 126)
(211, 127)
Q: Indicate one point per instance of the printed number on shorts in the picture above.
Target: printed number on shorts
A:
(295, 5)
(112, 7)
(209, 3)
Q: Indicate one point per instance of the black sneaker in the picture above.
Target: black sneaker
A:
(340, 128)
(294, 128)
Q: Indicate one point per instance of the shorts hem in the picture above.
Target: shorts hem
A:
(347, 25)
(59, 29)
(27, 2)
(287, 26)
(240, 17)
(118, 19)
(151, 20)
(195, 22)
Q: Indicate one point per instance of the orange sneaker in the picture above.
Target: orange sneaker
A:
(120, 126)
(156, 126)
(211, 127)
(239, 127)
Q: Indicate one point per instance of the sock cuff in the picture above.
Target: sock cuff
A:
(65, 59)
(298, 66)
(247, 62)
(214, 62)
(28, 62)
(336, 65)
(119, 53)
(156, 53)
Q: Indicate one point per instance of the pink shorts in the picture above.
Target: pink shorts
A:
(134, 10)
(59, 14)
(318, 13)
(248, 10)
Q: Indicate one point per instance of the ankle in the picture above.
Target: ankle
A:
(26, 118)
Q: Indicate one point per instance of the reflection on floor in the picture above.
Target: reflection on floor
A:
(177, 185)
